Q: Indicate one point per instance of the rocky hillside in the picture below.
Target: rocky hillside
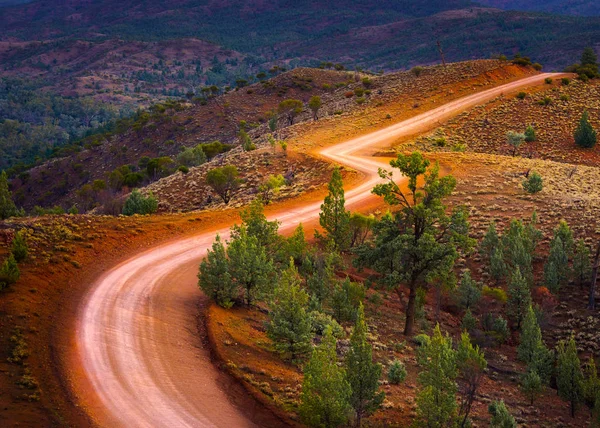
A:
(169, 128)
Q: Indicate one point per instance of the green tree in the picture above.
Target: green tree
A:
(273, 123)
(589, 58)
(214, 278)
(569, 378)
(362, 373)
(224, 181)
(564, 232)
(471, 366)
(519, 243)
(556, 269)
(519, 297)
(469, 291)
(421, 242)
(530, 134)
(137, 203)
(7, 206)
(324, 401)
(498, 268)
(9, 272)
(515, 140)
(436, 401)
(345, 300)
(360, 226)
(531, 385)
(532, 349)
(533, 183)
(490, 242)
(333, 216)
(582, 265)
(315, 104)
(290, 108)
(249, 267)
(501, 417)
(255, 224)
(290, 326)
(19, 246)
(192, 156)
(590, 386)
(271, 187)
(585, 135)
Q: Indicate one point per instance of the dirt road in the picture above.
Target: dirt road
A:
(143, 364)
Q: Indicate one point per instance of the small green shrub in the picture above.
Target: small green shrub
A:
(183, 169)
(566, 81)
(546, 101)
(396, 372)
(495, 293)
(19, 246)
(417, 71)
(533, 184)
(548, 80)
(522, 95)
(138, 204)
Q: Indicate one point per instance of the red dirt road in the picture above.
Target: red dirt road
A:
(143, 363)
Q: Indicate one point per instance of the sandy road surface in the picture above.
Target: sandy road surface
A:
(142, 361)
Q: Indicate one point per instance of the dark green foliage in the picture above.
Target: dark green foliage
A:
(7, 206)
(9, 272)
(582, 265)
(471, 365)
(585, 135)
(436, 401)
(421, 241)
(531, 385)
(362, 373)
(519, 297)
(530, 134)
(224, 181)
(334, 218)
(532, 349)
(396, 372)
(501, 417)
(290, 326)
(590, 387)
(192, 156)
(469, 291)
(320, 322)
(214, 278)
(490, 242)
(249, 267)
(533, 183)
(469, 322)
(569, 378)
(346, 299)
(324, 401)
(213, 149)
(37, 123)
(19, 246)
(137, 203)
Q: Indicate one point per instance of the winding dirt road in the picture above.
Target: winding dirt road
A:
(143, 365)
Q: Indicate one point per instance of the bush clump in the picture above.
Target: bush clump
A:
(139, 204)
(533, 183)
(396, 372)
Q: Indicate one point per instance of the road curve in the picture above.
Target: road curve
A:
(136, 335)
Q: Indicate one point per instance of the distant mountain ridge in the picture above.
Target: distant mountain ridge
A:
(562, 7)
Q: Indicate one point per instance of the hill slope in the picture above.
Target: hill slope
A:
(565, 7)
